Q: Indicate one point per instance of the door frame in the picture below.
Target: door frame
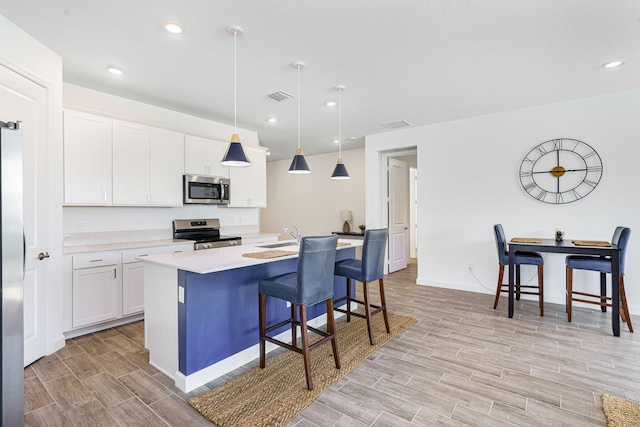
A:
(29, 58)
(383, 211)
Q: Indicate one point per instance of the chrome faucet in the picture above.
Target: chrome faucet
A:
(297, 235)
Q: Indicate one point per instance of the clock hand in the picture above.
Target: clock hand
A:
(566, 170)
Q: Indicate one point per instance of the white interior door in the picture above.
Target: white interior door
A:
(22, 99)
(398, 215)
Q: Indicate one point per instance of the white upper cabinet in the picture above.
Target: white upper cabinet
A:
(130, 164)
(249, 183)
(87, 159)
(147, 165)
(202, 156)
(166, 167)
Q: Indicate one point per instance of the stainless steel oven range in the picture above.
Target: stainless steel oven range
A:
(205, 232)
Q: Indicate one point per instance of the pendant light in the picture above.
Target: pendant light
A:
(340, 171)
(235, 154)
(299, 164)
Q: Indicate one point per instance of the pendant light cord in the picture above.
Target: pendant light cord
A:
(235, 84)
(298, 106)
(340, 123)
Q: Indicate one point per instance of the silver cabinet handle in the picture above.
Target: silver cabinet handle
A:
(95, 260)
(42, 256)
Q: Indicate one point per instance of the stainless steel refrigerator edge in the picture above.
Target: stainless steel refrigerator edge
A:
(12, 267)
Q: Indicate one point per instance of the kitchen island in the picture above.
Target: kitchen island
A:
(201, 308)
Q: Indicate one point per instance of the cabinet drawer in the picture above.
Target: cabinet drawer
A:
(130, 255)
(97, 259)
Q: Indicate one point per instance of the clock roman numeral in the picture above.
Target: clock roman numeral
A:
(541, 150)
(586, 156)
(542, 195)
(559, 198)
(594, 169)
(530, 186)
(557, 144)
(590, 183)
(524, 174)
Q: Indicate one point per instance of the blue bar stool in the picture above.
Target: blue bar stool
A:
(310, 285)
(522, 258)
(370, 268)
(603, 266)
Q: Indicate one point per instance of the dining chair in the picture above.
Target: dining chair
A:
(521, 258)
(366, 270)
(603, 266)
(311, 284)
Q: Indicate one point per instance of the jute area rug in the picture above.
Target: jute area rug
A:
(620, 412)
(274, 395)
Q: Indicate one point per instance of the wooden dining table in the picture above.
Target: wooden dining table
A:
(568, 247)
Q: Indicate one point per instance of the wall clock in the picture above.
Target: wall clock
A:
(560, 171)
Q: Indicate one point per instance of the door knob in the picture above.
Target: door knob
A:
(42, 256)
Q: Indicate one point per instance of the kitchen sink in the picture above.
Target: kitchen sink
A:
(278, 245)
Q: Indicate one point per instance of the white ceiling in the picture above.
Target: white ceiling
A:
(424, 61)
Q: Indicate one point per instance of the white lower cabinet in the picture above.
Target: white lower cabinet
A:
(132, 288)
(94, 289)
(104, 289)
(254, 240)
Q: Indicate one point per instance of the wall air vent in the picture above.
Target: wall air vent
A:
(397, 124)
(280, 95)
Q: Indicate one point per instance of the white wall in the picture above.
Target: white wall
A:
(100, 219)
(312, 202)
(468, 181)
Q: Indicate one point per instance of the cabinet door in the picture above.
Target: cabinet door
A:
(249, 183)
(87, 159)
(94, 295)
(194, 155)
(132, 288)
(166, 167)
(130, 164)
(215, 152)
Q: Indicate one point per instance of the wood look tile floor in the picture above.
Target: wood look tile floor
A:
(462, 363)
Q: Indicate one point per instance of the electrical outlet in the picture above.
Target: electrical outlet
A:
(81, 225)
(288, 304)
(141, 221)
(470, 266)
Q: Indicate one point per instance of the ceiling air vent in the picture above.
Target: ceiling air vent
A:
(397, 124)
(280, 95)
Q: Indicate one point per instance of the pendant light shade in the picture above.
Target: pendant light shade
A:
(299, 164)
(340, 171)
(235, 154)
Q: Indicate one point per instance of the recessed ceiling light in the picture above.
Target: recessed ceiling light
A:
(115, 70)
(173, 27)
(613, 64)
(268, 153)
(335, 141)
(272, 120)
(331, 103)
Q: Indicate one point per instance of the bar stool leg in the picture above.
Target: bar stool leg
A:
(541, 288)
(331, 329)
(603, 291)
(518, 282)
(625, 307)
(294, 328)
(305, 346)
(367, 310)
(500, 277)
(262, 307)
(569, 292)
(384, 306)
(348, 299)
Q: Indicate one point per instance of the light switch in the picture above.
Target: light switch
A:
(181, 294)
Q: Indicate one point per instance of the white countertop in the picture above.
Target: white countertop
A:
(227, 258)
(70, 250)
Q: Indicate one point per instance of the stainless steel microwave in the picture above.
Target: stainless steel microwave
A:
(205, 190)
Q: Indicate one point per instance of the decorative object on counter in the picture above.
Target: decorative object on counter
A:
(559, 234)
(299, 164)
(620, 412)
(276, 394)
(340, 171)
(273, 253)
(235, 154)
(346, 217)
(362, 228)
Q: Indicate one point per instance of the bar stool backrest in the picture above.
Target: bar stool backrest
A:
(316, 261)
(373, 250)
